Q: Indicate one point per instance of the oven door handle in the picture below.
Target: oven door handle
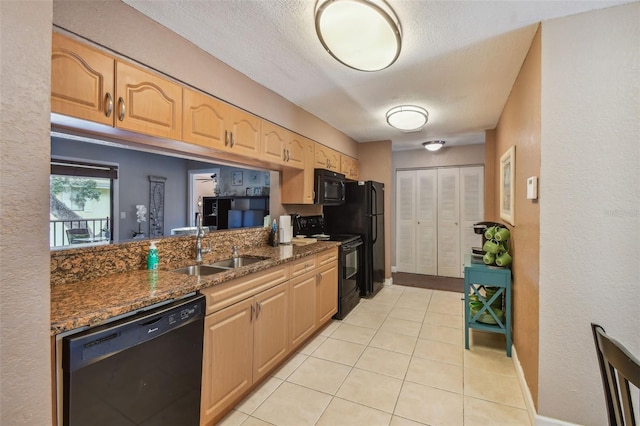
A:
(349, 247)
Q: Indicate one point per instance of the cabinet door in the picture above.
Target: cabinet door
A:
(147, 103)
(350, 167)
(297, 148)
(297, 185)
(271, 329)
(327, 293)
(326, 158)
(227, 358)
(274, 143)
(203, 119)
(449, 222)
(302, 291)
(81, 81)
(243, 133)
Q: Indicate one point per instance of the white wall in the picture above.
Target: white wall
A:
(25, 372)
(589, 203)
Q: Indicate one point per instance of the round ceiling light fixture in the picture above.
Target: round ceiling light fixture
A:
(433, 145)
(408, 118)
(362, 34)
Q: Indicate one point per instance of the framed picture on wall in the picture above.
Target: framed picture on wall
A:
(507, 185)
(236, 178)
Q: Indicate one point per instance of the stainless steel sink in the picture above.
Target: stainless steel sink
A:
(199, 270)
(235, 262)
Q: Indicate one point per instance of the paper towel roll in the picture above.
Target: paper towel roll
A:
(286, 229)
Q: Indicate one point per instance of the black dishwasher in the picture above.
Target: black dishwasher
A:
(145, 369)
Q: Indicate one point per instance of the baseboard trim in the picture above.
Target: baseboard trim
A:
(535, 418)
(528, 399)
(388, 281)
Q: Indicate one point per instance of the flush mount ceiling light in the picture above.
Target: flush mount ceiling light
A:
(408, 118)
(433, 145)
(362, 34)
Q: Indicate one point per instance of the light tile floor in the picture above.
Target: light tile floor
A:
(397, 359)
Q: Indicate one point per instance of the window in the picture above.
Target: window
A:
(81, 202)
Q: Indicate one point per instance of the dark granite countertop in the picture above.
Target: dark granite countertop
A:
(91, 302)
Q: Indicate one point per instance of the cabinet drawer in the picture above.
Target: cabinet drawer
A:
(223, 295)
(303, 266)
(327, 256)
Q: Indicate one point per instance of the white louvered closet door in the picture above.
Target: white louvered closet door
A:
(471, 209)
(427, 222)
(449, 222)
(405, 221)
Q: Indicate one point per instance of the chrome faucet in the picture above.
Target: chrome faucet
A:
(200, 236)
(234, 253)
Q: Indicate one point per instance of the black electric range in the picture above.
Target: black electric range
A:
(349, 260)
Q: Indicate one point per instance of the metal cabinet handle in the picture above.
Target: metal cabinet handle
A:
(122, 107)
(253, 309)
(288, 155)
(284, 155)
(233, 140)
(226, 138)
(259, 309)
(108, 102)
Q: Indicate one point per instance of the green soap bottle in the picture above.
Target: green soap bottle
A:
(152, 257)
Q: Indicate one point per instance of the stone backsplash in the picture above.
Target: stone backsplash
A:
(72, 265)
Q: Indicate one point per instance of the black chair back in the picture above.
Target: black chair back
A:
(618, 367)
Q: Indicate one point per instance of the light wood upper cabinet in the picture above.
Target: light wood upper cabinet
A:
(274, 143)
(297, 184)
(350, 167)
(91, 85)
(280, 146)
(203, 119)
(147, 103)
(326, 158)
(81, 81)
(243, 133)
(297, 149)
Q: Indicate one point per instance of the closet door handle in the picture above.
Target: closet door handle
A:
(108, 101)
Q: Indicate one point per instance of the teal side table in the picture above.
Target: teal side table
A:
(477, 276)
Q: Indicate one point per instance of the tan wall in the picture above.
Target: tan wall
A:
(519, 125)
(120, 28)
(25, 369)
(375, 164)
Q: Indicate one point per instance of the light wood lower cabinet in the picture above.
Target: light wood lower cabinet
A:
(255, 322)
(327, 292)
(270, 329)
(302, 291)
(227, 367)
(241, 344)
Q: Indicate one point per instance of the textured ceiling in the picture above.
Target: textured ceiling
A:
(459, 59)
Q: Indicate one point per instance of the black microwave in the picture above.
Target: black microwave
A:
(329, 188)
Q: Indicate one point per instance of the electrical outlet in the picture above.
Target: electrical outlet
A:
(123, 215)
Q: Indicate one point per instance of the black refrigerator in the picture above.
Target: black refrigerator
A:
(363, 214)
